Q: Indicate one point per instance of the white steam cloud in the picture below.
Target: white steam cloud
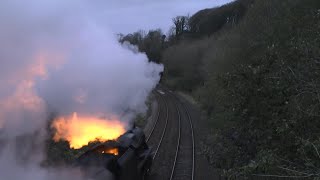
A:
(57, 56)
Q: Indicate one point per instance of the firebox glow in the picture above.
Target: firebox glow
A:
(114, 151)
(80, 130)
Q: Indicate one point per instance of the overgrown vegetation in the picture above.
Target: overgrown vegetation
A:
(254, 66)
(152, 43)
(209, 21)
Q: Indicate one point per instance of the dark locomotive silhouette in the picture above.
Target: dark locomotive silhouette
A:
(128, 157)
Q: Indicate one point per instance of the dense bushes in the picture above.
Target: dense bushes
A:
(151, 43)
(259, 81)
(183, 66)
(254, 66)
(209, 21)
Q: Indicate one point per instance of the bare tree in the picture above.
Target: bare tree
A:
(180, 25)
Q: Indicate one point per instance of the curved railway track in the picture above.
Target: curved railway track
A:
(183, 164)
(155, 124)
(164, 129)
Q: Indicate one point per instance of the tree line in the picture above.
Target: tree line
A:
(254, 67)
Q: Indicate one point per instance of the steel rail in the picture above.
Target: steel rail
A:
(155, 124)
(178, 143)
(164, 129)
(193, 144)
(179, 138)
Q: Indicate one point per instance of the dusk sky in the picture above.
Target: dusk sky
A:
(127, 16)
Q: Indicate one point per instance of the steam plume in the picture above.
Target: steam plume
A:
(57, 56)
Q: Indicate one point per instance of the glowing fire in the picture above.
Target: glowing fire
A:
(79, 131)
(111, 151)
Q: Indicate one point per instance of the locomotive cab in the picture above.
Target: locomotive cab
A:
(128, 157)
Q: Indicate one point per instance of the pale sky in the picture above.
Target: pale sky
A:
(126, 16)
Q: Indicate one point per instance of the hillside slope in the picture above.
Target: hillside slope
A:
(258, 80)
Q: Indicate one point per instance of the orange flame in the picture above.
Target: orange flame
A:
(79, 131)
(114, 151)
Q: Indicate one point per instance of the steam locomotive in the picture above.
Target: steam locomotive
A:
(128, 157)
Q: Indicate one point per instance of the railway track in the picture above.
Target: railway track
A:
(156, 123)
(180, 166)
(184, 163)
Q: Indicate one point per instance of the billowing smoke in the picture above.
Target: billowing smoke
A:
(56, 56)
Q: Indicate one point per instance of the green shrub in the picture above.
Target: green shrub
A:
(259, 82)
